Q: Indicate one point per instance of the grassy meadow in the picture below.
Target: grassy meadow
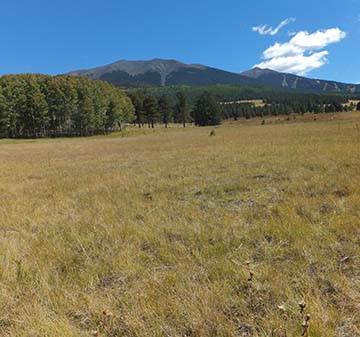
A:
(177, 233)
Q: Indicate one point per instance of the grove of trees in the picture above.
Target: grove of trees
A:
(40, 105)
(231, 103)
(206, 110)
(151, 109)
(285, 104)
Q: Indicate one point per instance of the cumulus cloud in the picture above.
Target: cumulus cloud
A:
(268, 30)
(302, 53)
(297, 64)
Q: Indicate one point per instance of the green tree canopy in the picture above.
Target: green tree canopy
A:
(137, 101)
(165, 109)
(182, 108)
(150, 107)
(40, 105)
(206, 110)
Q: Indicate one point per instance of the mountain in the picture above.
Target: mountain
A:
(290, 81)
(159, 72)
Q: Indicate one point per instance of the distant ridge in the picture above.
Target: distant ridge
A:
(136, 69)
(160, 72)
(290, 81)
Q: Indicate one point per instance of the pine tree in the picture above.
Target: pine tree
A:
(207, 110)
(181, 107)
(150, 108)
(138, 106)
(165, 109)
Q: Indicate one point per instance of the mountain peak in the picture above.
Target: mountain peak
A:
(153, 68)
(257, 72)
(161, 72)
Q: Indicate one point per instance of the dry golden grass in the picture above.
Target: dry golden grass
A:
(176, 233)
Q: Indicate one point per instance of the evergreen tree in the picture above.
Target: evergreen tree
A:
(206, 111)
(165, 109)
(150, 108)
(137, 102)
(181, 108)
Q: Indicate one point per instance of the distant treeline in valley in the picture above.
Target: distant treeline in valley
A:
(231, 93)
(40, 105)
(44, 106)
(285, 103)
(210, 107)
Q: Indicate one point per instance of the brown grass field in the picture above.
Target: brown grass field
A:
(175, 233)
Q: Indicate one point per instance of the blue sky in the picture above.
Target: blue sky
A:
(56, 36)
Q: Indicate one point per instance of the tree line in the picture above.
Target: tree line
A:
(41, 105)
(286, 104)
(151, 109)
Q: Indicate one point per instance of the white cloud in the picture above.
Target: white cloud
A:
(268, 30)
(302, 53)
(279, 50)
(319, 39)
(296, 64)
